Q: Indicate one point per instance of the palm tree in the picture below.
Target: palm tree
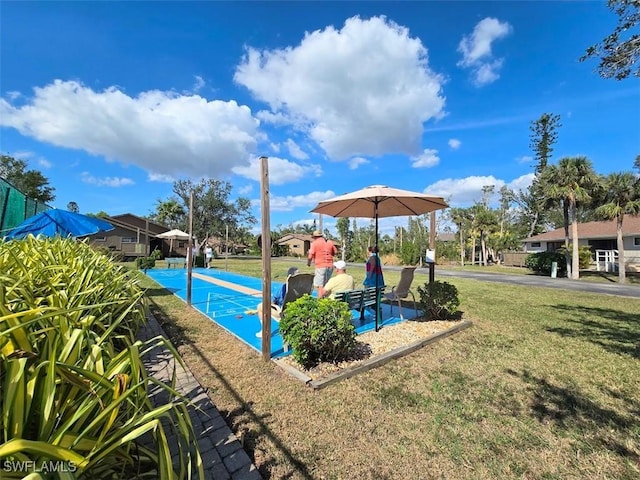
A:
(169, 212)
(460, 218)
(571, 182)
(621, 196)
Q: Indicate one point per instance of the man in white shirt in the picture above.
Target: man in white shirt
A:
(340, 282)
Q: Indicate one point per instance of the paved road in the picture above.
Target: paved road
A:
(534, 280)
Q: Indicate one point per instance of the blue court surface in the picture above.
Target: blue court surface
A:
(230, 300)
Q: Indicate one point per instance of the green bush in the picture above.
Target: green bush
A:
(73, 385)
(439, 300)
(156, 254)
(584, 255)
(318, 330)
(541, 262)
(144, 263)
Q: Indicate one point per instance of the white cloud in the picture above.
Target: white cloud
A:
(199, 83)
(295, 150)
(158, 177)
(44, 163)
(355, 162)
(281, 171)
(372, 95)
(476, 50)
(162, 132)
(463, 191)
(290, 202)
(246, 190)
(86, 177)
(274, 147)
(454, 143)
(429, 158)
(521, 183)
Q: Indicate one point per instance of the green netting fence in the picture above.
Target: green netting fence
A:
(16, 207)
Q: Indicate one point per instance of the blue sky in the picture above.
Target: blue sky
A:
(112, 101)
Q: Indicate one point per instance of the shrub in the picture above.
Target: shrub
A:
(144, 263)
(541, 262)
(318, 330)
(439, 299)
(156, 254)
(73, 385)
(584, 255)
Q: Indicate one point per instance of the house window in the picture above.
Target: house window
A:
(100, 239)
(535, 244)
(636, 241)
(182, 245)
(128, 240)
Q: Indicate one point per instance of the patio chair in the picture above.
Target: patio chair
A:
(402, 290)
(297, 286)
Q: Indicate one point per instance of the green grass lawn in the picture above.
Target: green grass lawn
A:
(546, 384)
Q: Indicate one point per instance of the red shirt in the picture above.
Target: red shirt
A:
(322, 252)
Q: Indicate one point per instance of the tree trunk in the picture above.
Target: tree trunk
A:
(567, 255)
(473, 250)
(621, 266)
(483, 249)
(575, 261)
(533, 224)
(461, 248)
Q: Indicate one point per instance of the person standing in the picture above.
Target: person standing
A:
(321, 254)
(374, 277)
(208, 255)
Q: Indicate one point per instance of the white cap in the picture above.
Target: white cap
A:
(340, 264)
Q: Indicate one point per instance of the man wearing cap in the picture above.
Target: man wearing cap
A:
(341, 282)
(321, 253)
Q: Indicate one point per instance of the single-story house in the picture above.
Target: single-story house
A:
(298, 244)
(135, 236)
(601, 237)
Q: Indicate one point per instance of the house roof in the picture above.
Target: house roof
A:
(295, 236)
(133, 222)
(605, 229)
(445, 236)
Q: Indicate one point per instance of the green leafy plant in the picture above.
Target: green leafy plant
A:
(144, 263)
(318, 330)
(541, 262)
(73, 384)
(439, 300)
(156, 254)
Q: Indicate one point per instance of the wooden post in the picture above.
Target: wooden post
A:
(226, 244)
(432, 246)
(190, 258)
(266, 260)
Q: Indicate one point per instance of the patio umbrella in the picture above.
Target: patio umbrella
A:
(172, 235)
(63, 223)
(379, 201)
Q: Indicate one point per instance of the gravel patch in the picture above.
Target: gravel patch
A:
(372, 344)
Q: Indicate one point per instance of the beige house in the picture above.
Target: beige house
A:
(601, 238)
(298, 244)
(135, 236)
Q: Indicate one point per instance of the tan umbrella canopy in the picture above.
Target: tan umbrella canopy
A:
(172, 235)
(379, 201)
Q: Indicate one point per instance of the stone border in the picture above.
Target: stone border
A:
(371, 362)
(223, 455)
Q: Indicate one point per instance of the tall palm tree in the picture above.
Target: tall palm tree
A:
(621, 196)
(459, 217)
(571, 182)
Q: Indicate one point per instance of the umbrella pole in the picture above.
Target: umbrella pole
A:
(375, 212)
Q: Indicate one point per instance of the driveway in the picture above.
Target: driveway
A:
(535, 281)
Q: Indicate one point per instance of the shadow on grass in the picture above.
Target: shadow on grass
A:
(571, 410)
(180, 336)
(614, 330)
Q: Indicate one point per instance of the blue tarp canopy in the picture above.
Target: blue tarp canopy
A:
(59, 223)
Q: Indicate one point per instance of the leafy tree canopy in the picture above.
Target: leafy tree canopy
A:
(619, 51)
(30, 182)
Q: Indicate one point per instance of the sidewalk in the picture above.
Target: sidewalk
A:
(222, 453)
